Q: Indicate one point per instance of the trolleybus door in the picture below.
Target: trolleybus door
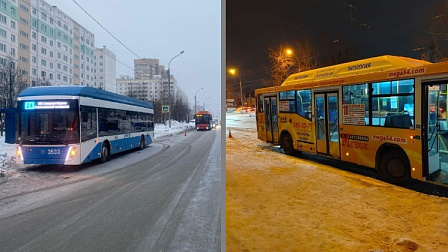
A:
(327, 124)
(270, 104)
(430, 113)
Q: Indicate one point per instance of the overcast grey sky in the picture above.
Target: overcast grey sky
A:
(161, 29)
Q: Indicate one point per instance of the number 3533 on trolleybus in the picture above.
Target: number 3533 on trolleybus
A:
(387, 113)
(70, 125)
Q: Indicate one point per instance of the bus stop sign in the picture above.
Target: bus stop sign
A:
(165, 109)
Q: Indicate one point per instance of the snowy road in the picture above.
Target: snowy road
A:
(275, 202)
(164, 198)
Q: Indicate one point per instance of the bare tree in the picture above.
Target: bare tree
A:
(11, 83)
(302, 57)
(435, 42)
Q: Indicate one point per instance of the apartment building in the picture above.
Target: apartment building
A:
(50, 48)
(9, 27)
(151, 89)
(105, 69)
(148, 69)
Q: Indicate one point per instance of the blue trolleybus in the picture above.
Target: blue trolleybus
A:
(71, 125)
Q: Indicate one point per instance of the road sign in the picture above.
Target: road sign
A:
(165, 108)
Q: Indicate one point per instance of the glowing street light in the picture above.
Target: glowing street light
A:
(233, 72)
(288, 51)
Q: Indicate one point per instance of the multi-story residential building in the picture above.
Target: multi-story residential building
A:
(49, 46)
(8, 31)
(150, 89)
(148, 69)
(105, 69)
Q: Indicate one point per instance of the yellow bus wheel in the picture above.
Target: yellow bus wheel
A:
(286, 144)
(394, 167)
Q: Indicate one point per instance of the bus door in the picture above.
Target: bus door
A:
(433, 125)
(327, 123)
(270, 104)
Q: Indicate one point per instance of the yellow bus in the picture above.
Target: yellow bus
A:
(386, 112)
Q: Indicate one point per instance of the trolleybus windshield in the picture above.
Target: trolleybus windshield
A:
(48, 122)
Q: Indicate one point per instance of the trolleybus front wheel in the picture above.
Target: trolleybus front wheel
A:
(394, 167)
(105, 155)
(142, 143)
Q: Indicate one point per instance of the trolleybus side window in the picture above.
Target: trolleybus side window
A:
(303, 98)
(88, 123)
(393, 104)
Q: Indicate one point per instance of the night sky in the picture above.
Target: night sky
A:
(366, 28)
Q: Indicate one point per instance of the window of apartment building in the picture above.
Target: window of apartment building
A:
(51, 54)
(43, 16)
(34, 35)
(23, 20)
(64, 78)
(2, 18)
(43, 74)
(51, 20)
(59, 44)
(24, 33)
(3, 3)
(59, 77)
(51, 76)
(2, 33)
(43, 62)
(24, 47)
(33, 47)
(65, 68)
(23, 59)
(51, 65)
(13, 52)
(64, 47)
(34, 23)
(13, 11)
(43, 39)
(43, 50)
(65, 58)
(59, 65)
(33, 71)
(33, 59)
(13, 25)
(24, 8)
(43, 27)
(34, 10)
(51, 32)
(87, 67)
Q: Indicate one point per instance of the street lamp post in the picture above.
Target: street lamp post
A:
(232, 71)
(169, 90)
(204, 101)
(195, 100)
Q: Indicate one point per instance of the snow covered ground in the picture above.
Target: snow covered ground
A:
(18, 178)
(275, 202)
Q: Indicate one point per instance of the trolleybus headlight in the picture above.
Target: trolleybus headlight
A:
(19, 153)
(72, 152)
